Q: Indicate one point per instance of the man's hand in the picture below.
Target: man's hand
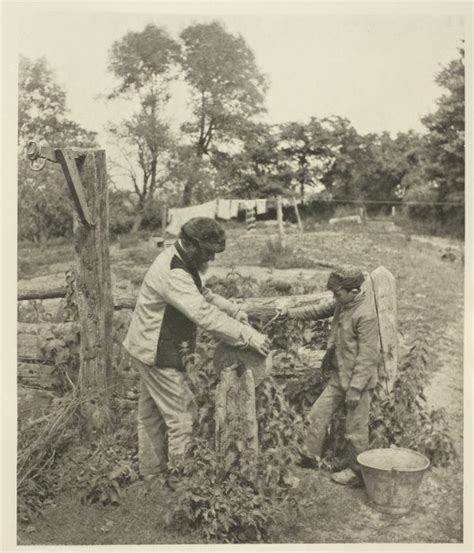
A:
(260, 343)
(352, 398)
(242, 317)
(283, 312)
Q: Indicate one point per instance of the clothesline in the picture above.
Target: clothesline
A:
(223, 208)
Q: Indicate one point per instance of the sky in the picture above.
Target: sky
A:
(377, 70)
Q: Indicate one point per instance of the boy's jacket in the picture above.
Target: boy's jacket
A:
(354, 337)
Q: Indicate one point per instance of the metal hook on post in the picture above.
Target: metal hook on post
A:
(33, 154)
(67, 159)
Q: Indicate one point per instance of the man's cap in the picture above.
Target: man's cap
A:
(206, 232)
(345, 276)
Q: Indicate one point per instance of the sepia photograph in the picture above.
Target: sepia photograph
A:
(239, 274)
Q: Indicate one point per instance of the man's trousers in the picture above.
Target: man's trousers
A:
(166, 413)
(357, 420)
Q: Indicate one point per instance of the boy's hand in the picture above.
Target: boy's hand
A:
(352, 398)
(242, 317)
(283, 312)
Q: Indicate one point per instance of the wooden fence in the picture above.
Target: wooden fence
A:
(40, 379)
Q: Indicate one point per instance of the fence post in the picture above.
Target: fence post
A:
(164, 217)
(94, 295)
(281, 231)
(297, 213)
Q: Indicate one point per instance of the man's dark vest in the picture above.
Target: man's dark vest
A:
(177, 331)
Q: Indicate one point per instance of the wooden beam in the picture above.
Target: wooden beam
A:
(93, 292)
(252, 305)
(33, 337)
(46, 328)
(68, 163)
(38, 374)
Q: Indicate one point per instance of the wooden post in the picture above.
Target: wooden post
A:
(235, 415)
(393, 211)
(94, 295)
(281, 231)
(298, 218)
(164, 216)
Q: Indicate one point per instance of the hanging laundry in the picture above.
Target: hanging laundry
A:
(261, 206)
(249, 204)
(180, 215)
(223, 209)
(234, 208)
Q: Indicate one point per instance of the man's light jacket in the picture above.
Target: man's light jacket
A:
(171, 303)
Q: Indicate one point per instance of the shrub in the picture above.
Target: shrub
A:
(275, 254)
(402, 417)
(231, 497)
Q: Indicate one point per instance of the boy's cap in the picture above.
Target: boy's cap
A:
(345, 276)
(206, 232)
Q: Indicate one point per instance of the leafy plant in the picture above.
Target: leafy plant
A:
(402, 417)
(103, 473)
(232, 497)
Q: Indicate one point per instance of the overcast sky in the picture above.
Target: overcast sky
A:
(377, 70)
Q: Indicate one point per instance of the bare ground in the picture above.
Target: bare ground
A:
(430, 300)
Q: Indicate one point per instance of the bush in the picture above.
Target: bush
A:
(232, 497)
(121, 214)
(279, 256)
(438, 220)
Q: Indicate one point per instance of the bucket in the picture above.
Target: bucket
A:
(392, 477)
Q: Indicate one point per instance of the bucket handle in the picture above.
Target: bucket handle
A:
(393, 484)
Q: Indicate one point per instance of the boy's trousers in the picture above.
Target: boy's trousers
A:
(166, 413)
(357, 420)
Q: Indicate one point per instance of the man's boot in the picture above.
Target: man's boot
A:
(346, 477)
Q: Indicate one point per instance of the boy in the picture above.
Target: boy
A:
(353, 354)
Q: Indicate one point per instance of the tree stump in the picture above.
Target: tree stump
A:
(236, 420)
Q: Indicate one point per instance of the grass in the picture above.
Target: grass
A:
(36, 260)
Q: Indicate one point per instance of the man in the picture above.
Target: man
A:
(171, 303)
(353, 354)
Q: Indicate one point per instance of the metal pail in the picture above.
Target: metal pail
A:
(392, 477)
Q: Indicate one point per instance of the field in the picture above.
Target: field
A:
(430, 287)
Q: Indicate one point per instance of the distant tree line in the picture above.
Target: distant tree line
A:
(225, 148)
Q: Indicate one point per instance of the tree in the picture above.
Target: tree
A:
(386, 162)
(445, 147)
(348, 157)
(306, 149)
(144, 63)
(433, 187)
(42, 113)
(227, 90)
(256, 170)
(445, 139)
